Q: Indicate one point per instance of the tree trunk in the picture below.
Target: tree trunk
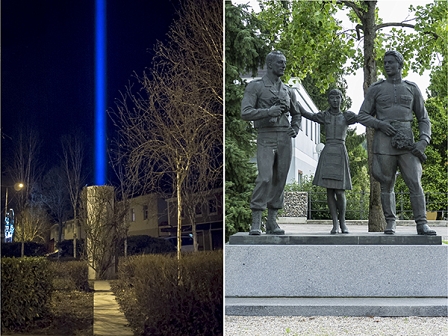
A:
(59, 238)
(376, 217)
(195, 236)
(125, 247)
(179, 217)
(75, 233)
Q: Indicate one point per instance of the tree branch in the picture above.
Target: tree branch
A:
(404, 25)
(358, 10)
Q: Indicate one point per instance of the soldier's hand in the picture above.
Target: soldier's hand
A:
(275, 111)
(292, 132)
(387, 128)
(419, 150)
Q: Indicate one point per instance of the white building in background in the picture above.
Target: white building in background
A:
(305, 154)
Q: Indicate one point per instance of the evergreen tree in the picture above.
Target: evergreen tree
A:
(245, 52)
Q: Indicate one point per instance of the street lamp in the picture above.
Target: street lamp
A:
(17, 187)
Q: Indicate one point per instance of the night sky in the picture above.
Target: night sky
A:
(47, 62)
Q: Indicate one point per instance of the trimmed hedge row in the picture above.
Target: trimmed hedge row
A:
(26, 291)
(144, 244)
(166, 305)
(30, 249)
(70, 275)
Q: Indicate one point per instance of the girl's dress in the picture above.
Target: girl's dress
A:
(333, 170)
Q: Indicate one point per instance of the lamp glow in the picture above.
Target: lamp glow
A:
(100, 93)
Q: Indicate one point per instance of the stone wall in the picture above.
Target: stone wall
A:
(296, 204)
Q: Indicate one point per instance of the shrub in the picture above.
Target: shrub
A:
(66, 247)
(144, 244)
(70, 275)
(31, 249)
(191, 305)
(26, 291)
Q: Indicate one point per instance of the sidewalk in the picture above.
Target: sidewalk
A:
(107, 317)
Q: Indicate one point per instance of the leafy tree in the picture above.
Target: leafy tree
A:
(300, 28)
(357, 153)
(245, 50)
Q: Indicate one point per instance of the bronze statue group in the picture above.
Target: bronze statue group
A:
(389, 107)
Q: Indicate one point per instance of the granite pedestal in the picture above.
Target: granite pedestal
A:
(369, 274)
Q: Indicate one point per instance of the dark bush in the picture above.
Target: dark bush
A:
(162, 304)
(70, 275)
(144, 244)
(66, 247)
(26, 291)
(31, 249)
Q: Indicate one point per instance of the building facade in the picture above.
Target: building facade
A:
(154, 216)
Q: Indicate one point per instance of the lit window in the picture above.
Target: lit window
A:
(132, 215)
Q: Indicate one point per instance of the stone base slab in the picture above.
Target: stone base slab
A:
(360, 238)
(337, 306)
(336, 271)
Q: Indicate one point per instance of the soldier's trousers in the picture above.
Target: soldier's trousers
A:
(384, 169)
(274, 153)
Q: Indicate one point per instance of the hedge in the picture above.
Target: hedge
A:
(26, 291)
(143, 244)
(31, 249)
(70, 275)
(166, 305)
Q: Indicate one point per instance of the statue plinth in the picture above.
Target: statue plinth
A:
(369, 274)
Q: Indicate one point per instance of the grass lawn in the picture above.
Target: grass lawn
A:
(71, 314)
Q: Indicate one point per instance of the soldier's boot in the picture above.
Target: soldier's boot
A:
(388, 203)
(271, 224)
(255, 228)
(419, 209)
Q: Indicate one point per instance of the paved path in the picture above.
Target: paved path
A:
(107, 317)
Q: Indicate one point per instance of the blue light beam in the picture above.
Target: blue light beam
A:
(100, 93)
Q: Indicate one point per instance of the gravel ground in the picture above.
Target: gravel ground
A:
(334, 325)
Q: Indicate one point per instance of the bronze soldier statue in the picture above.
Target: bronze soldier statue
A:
(388, 107)
(268, 102)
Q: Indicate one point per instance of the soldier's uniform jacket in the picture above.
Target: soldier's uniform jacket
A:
(394, 103)
(260, 95)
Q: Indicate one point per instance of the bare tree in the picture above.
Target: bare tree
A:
(34, 223)
(24, 167)
(55, 196)
(199, 187)
(73, 146)
(195, 48)
(176, 117)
